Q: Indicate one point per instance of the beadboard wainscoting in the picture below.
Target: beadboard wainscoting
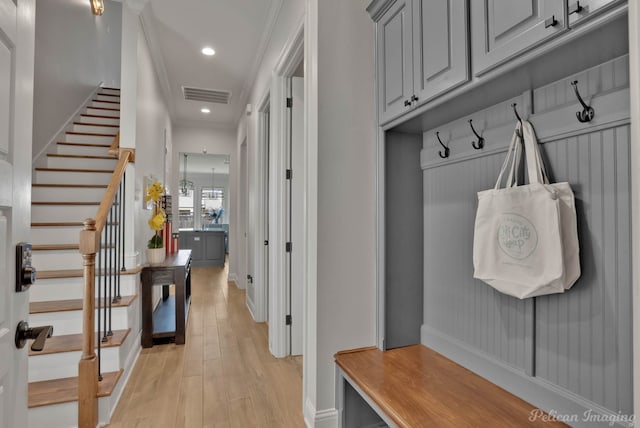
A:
(569, 353)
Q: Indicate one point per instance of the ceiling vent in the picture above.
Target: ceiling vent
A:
(207, 95)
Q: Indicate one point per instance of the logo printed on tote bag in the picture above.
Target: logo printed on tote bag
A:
(517, 237)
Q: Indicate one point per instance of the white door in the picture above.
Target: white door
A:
(17, 20)
(297, 214)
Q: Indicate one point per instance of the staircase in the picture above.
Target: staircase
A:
(65, 192)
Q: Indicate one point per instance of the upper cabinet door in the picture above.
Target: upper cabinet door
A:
(502, 29)
(440, 44)
(580, 10)
(395, 81)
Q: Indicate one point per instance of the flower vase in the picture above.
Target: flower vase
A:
(155, 256)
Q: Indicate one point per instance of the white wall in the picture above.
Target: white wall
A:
(343, 72)
(70, 64)
(289, 19)
(152, 122)
(216, 141)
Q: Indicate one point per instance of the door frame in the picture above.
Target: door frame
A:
(260, 309)
(634, 88)
(290, 58)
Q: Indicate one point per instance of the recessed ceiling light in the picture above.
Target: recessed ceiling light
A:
(205, 110)
(208, 51)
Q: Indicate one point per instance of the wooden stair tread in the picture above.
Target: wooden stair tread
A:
(62, 224)
(61, 247)
(76, 170)
(71, 305)
(80, 186)
(100, 116)
(50, 247)
(92, 134)
(65, 390)
(110, 89)
(102, 94)
(64, 203)
(73, 342)
(66, 143)
(56, 155)
(75, 273)
(103, 101)
(100, 125)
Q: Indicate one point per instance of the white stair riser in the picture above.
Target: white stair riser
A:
(88, 139)
(104, 96)
(45, 290)
(102, 112)
(65, 415)
(59, 235)
(72, 177)
(96, 129)
(61, 213)
(60, 259)
(63, 149)
(85, 163)
(65, 364)
(106, 120)
(103, 104)
(70, 322)
(51, 194)
(110, 91)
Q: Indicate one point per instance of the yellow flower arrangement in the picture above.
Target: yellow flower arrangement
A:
(154, 193)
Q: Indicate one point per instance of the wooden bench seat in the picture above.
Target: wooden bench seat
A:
(417, 387)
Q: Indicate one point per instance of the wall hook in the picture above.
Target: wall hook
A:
(518, 131)
(586, 115)
(480, 144)
(446, 149)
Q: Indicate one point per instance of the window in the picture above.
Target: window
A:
(212, 211)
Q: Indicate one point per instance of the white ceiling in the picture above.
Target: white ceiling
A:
(237, 30)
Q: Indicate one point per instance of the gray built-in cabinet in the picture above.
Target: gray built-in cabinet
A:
(422, 51)
(568, 353)
(207, 246)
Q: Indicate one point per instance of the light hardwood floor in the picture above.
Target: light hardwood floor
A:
(224, 376)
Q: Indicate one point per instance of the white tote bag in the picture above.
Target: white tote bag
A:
(526, 242)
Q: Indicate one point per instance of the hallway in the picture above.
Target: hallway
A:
(224, 376)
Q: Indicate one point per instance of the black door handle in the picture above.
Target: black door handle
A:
(39, 334)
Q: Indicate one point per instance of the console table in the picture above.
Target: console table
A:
(170, 316)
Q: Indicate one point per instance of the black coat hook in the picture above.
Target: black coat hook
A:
(480, 143)
(446, 149)
(586, 115)
(518, 131)
(516, 112)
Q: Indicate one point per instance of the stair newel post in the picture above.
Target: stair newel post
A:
(88, 366)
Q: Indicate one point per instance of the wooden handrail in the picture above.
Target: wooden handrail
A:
(89, 244)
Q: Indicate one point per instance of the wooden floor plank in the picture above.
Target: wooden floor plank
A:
(224, 376)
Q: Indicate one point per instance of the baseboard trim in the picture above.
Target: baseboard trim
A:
(233, 277)
(327, 418)
(538, 392)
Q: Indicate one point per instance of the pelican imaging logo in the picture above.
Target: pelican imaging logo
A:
(517, 237)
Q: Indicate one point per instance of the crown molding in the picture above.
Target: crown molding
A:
(272, 18)
(377, 8)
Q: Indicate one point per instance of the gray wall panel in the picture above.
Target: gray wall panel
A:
(583, 338)
(403, 240)
(454, 303)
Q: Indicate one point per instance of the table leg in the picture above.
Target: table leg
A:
(180, 310)
(147, 310)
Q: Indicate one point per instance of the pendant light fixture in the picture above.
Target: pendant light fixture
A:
(97, 7)
(185, 185)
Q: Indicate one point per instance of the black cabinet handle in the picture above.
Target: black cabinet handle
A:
(575, 8)
(407, 103)
(550, 22)
(414, 98)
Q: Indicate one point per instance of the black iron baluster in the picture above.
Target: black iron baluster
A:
(120, 202)
(109, 250)
(104, 273)
(124, 212)
(99, 275)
